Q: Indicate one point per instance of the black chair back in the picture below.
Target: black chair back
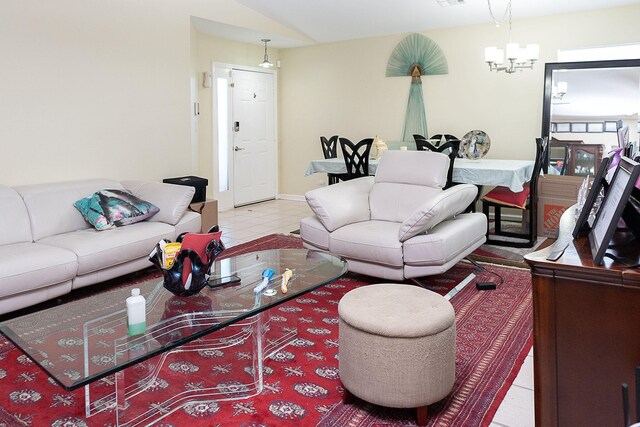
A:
(447, 137)
(450, 148)
(423, 144)
(542, 147)
(356, 156)
(329, 147)
(330, 151)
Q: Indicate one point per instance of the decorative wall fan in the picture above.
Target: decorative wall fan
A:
(416, 55)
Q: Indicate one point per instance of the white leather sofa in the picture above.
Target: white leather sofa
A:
(47, 248)
(400, 224)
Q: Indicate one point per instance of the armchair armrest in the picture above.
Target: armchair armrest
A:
(432, 212)
(341, 204)
(173, 200)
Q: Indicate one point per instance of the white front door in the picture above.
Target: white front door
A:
(254, 145)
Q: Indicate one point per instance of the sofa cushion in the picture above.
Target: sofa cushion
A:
(432, 212)
(381, 271)
(50, 206)
(446, 241)
(28, 266)
(190, 222)
(373, 241)
(395, 202)
(14, 220)
(424, 168)
(342, 203)
(173, 200)
(314, 233)
(102, 249)
(106, 209)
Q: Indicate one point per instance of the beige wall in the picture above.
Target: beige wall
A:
(97, 88)
(341, 88)
(90, 88)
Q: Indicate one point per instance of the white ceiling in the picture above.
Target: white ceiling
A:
(324, 21)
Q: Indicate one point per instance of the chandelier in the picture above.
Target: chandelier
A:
(265, 63)
(558, 91)
(517, 57)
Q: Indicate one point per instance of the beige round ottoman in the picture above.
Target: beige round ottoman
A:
(397, 346)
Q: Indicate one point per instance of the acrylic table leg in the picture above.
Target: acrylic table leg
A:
(256, 338)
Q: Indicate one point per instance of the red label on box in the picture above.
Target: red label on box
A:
(552, 214)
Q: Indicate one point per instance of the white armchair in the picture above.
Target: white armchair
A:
(400, 224)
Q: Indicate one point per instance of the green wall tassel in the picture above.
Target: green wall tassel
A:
(416, 55)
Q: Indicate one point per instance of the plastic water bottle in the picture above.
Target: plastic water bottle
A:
(136, 313)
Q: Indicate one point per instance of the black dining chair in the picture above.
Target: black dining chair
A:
(447, 137)
(525, 200)
(356, 157)
(330, 151)
(450, 148)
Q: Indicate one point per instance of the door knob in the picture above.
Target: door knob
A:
(237, 148)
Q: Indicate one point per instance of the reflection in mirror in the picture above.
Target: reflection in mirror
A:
(585, 103)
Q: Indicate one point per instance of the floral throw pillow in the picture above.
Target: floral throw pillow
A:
(106, 209)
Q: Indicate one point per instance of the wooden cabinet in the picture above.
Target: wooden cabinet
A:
(575, 158)
(586, 332)
(584, 159)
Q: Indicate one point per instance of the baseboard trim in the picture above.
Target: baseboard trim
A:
(294, 197)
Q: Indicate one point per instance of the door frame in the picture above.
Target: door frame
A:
(226, 198)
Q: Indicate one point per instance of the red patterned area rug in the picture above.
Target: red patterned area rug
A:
(494, 335)
(301, 381)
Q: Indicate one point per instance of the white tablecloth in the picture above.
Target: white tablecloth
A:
(493, 172)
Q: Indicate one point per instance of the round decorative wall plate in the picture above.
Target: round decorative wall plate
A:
(475, 144)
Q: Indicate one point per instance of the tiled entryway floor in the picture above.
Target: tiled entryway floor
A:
(283, 216)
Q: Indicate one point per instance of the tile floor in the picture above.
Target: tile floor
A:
(282, 216)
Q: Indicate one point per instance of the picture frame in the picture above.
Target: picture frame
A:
(610, 126)
(613, 205)
(582, 226)
(563, 127)
(595, 127)
(578, 127)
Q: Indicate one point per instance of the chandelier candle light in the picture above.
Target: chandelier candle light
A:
(517, 57)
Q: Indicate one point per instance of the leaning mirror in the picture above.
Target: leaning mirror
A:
(585, 103)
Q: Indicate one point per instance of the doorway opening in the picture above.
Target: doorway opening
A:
(245, 133)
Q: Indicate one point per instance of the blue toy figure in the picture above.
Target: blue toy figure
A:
(266, 276)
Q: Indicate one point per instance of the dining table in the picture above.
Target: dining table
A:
(491, 172)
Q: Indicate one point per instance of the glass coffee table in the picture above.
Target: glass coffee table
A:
(84, 343)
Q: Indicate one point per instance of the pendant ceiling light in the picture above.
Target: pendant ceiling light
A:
(517, 57)
(265, 62)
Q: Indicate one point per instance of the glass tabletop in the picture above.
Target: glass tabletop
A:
(85, 340)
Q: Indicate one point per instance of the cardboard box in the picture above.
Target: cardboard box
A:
(555, 194)
(549, 213)
(208, 211)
